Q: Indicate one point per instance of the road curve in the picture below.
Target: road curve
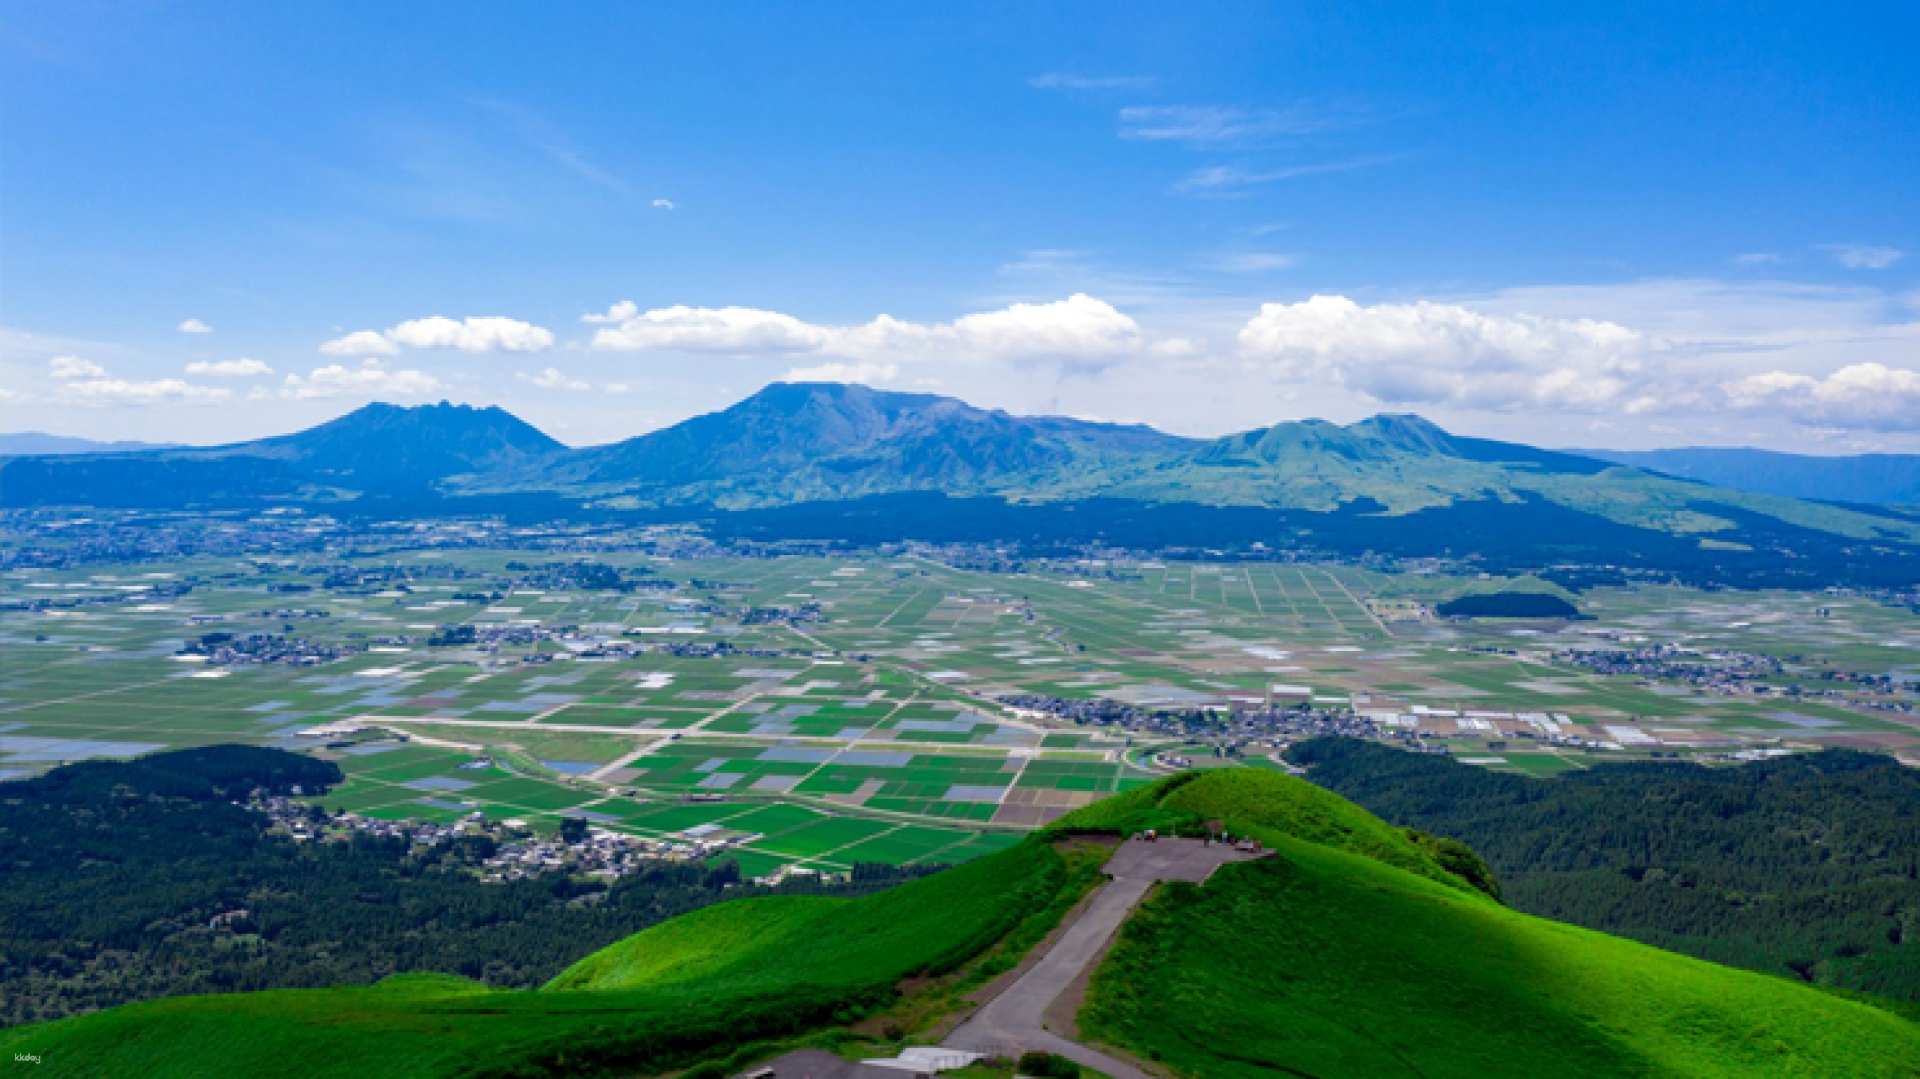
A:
(1013, 1022)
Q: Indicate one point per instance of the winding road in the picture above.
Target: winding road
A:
(1014, 1021)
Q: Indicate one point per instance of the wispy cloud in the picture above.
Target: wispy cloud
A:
(1232, 179)
(244, 367)
(664, 204)
(1061, 80)
(1864, 256)
(1216, 124)
(552, 378)
(1254, 262)
(74, 367)
(543, 135)
(1757, 258)
(193, 325)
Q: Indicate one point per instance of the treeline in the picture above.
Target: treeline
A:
(125, 881)
(1806, 866)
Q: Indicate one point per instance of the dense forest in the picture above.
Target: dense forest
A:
(130, 880)
(1807, 866)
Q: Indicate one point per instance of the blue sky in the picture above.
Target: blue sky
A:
(1637, 226)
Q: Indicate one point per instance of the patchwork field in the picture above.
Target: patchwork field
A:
(825, 711)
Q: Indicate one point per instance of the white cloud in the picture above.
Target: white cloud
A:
(663, 204)
(360, 343)
(1427, 353)
(371, 379)
(1216, 123)
(243, 367)
(484, 334)
(868, 373)
(708, 329)
(193, 325)
(65, 367)
(1861, 395)
(120, 391)
(474, 334)
(1231, 179)
(1060, 80)
(552, 378)
(1864, 256)
(1079, 327)
(8, 395)
(619, 312)
(1757, 258)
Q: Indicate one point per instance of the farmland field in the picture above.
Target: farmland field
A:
(825, 711)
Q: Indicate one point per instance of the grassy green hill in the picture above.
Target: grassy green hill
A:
(752, 969)
(1320, 962)
(1358, 949)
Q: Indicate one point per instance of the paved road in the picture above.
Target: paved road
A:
(1012, 1022)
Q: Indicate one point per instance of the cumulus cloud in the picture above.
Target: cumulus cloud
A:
(1079, 327)
(869, 373)
(1860, 395)
(193, 325)
(1864, 256)
(67, 367)
(486, 334)
(473, 334)
(371, 379)
(552, 378)
(360, 343)
(619, 312)
(244, 367)
(708, 329)
(1430, 353)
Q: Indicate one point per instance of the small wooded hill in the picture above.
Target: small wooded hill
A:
(1358, 949)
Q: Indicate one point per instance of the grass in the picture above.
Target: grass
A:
(683, 991)
(1262, 804)
(1319, 962)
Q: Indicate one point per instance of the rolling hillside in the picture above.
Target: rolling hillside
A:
(1358, 949)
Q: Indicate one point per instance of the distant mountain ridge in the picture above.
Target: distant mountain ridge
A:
(21, 443)
(1891, 479)
(378, 448)
(826, 460)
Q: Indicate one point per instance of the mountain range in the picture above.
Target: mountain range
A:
(1891, 479)
(834, 461)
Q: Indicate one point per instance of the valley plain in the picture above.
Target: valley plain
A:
(919, 705)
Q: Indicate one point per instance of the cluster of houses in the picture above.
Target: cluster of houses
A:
(513, 850)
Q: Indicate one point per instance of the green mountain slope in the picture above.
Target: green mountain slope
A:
(1319, 962)
(1804, 866)
(1358, 949)
(807, 441)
